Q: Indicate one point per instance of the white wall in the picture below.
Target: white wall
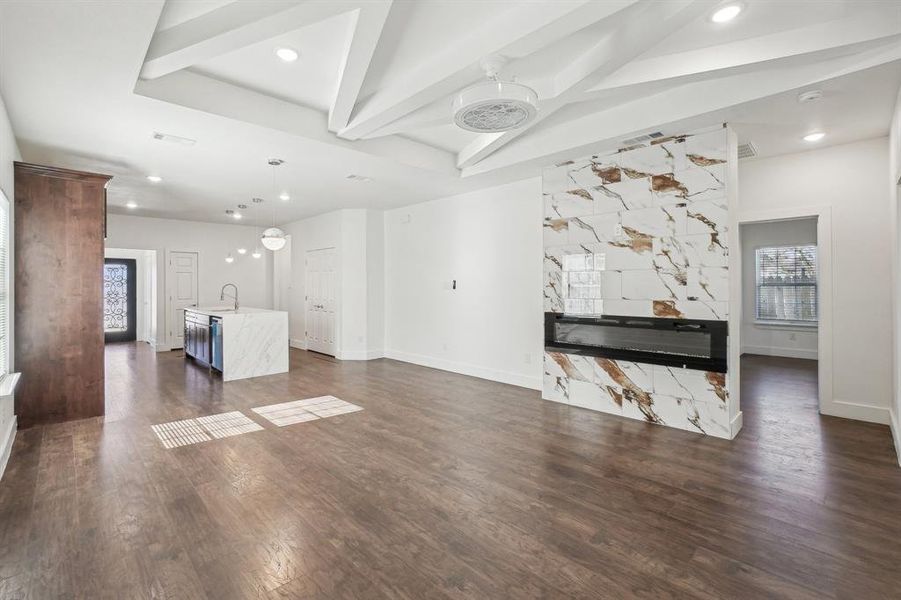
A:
(490, 241)
(894, 190)
(9, 152)
(850, 180)
(356, 235)
(212, 242)
(773, 340)
(145, 289)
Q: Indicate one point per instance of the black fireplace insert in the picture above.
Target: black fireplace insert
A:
(690, 343)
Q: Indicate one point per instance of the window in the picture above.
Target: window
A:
(787, 284)
(4, 285)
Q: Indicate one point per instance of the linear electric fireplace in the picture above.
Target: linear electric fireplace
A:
(690, 343)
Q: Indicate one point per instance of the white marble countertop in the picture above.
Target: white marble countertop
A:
(222, 311)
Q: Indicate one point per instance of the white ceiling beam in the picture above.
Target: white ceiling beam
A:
(199, 92)
(695, 104)
(516, 32)
(648, 24)
(366, 30)
(809, 39)
(229, 28)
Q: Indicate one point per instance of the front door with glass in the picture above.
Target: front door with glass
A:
(119, 300)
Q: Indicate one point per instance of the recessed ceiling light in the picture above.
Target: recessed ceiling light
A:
(359, 178)
(287, 54)
(284, 197)
(257, 253)
(154, 178)
(242, 250)
(131, 204)
(229, 259)
(726, 13)
(815, 136)
(237, 215)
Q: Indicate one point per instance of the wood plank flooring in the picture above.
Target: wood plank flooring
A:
(445, 486)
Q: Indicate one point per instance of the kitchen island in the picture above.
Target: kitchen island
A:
(242, 343)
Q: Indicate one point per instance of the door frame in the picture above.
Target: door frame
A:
(337, 293)
(131, 301)
(167, 283)
(823, 214)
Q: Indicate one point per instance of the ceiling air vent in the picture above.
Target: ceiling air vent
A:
(173, 139)
(748, 150)
(641, 139)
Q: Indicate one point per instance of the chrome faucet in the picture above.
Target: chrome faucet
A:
(235, 297)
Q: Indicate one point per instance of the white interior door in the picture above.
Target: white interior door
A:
(181, 293)
(320, 300)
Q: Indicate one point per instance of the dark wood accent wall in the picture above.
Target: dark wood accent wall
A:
(59, 230)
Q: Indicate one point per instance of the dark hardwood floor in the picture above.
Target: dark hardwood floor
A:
(445, 486)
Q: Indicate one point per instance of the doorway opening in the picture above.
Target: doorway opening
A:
(780, 318)
(129, 295)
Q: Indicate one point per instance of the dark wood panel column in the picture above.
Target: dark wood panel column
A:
(59, 227)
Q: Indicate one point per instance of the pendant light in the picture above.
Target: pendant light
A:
(273, 238)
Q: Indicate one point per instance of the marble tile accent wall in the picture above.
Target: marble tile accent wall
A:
(684, 398)
(643, 232)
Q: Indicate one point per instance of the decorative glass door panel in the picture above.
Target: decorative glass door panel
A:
(119, 302)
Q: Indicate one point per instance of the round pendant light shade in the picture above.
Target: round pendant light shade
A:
(273, 239)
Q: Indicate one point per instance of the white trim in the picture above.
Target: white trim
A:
(784, 352)
(7, 444)
(300, 344)
(823, 214)
(736, 424)
(526, 381)
(895, 426)
(859, 412)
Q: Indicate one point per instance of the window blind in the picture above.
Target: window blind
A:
(787, 283)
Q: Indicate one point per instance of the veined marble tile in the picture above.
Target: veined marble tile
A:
(556, 232)
(573, 202)
(553, 280)
(556, 179)
(593, 228)
(623, 374)
(635, 253)
(707, 148)
(704, 183)
(707, 284)
(629, 194)
(650, 160)
(701, 386)
(591, 395)
(649, 285)
(707, 216)
(713, 419)
(666, 221)
(689, 309)
(697, 251)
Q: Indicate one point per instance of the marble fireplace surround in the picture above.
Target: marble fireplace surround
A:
(643, 232)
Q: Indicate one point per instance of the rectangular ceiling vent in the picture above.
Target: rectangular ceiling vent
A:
(748, 150)
(173, 139)
(642, 139)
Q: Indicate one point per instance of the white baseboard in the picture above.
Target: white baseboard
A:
(736, 424)
(896, 433)
(298, 343)
(859, 412)
(6, 444)
(784, 352)
(533, 383)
